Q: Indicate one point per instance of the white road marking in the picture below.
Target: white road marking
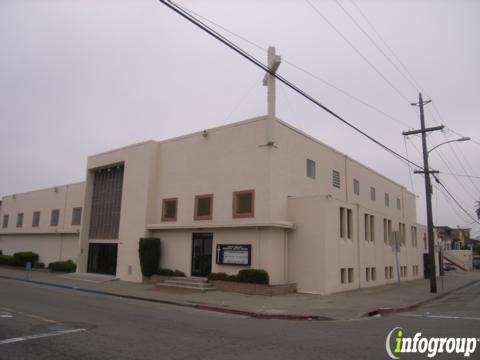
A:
(39, 336)
(442, 317)
(6, 316)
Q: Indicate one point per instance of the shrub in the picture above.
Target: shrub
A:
(149, 252)
(254, 276)
(21, 258)
(6, 260)
(63, 266)
(221, 276)
(169, 272)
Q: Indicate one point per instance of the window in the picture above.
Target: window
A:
(391, 272)
(5, 221)
(350, 275)
(373, 195)
(310, 168)
(398, 204)
(203, 207)
(349, 223)
(54, 217)
(369, 228)
(386, 273)
(356, 187)
(336, 179)
(401, 230)
(76, 216)
(413, 230)
(374, 274)
(343, 275)
(36, 219)
(367, 274)
(387, 231)
(20, 220)
(243, 203)
(169, 209)
(387, 200)
(342, 222)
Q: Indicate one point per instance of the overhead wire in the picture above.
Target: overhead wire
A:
(292, 86)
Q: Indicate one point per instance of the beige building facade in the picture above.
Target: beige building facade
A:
(230, 198)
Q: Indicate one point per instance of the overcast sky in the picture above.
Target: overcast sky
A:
(81, 77)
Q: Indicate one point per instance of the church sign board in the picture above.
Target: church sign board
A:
(234, 254)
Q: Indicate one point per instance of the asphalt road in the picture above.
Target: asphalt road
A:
(39, 322)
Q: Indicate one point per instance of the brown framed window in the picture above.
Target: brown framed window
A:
(169, 209)
(54, 217)
(243, 204)
(203, 207)
(36, 219)
(76, 216)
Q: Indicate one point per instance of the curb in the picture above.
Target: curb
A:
(379, 311)
(251, 314)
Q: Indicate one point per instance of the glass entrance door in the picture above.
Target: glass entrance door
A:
(201, 254)
(102, 258)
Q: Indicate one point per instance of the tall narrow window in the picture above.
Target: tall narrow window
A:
(203, 207)
(349, 224)
(36, 219)
(387, 200)
(244, 204)
(387, 231)
(374, 274)
(54, 218)
(311, 171)
(367, 274)
(169, 209)
(5, 221)
(20, 220)
(356, 187)
(342, 222)
(336, 179)
(399, 204)
(343, 275)
(369, 228)
(76, 216)
(372, 228)
(401, 230)
(373, 194)
(350, 275)
(414, 236)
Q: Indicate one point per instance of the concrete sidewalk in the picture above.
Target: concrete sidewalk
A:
(341, 306)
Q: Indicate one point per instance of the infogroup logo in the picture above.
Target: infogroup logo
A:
(397, 343)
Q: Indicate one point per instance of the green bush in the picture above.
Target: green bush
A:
(149, 252)
(221, 276)
(169, 272)
(21, 258)
(63, 266)
(254, 276)
(6, 260)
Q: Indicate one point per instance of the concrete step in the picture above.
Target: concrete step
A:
(187, 283)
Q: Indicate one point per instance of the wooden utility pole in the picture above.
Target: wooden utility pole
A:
(428, 189)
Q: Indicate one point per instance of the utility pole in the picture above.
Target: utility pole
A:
(428, 189)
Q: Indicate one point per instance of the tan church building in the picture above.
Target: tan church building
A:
(254, 194)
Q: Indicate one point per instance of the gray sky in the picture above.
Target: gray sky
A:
(81, 77)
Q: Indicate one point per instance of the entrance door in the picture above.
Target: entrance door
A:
(102, 258)
(202, 254)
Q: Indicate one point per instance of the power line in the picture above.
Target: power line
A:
(455, 200)
(299, 68)
(295, 88)
(460, 175)
(376, 45)
(358, 51)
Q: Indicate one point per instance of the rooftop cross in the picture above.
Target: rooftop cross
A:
(269, 81)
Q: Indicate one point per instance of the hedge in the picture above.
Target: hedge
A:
(149, 252)
(169, 272)
(21, 258)
(63, 266)
(6, 260)
(253, 276)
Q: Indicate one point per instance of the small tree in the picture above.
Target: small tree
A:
(478, 210)
(149, 252)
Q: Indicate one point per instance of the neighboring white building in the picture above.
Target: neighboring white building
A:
(257, 193)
